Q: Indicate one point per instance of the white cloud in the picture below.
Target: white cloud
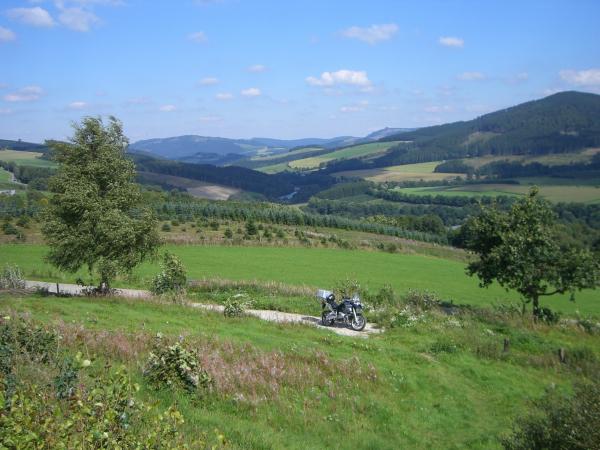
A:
(26, 94)
(451, 41)
(4, 111)
(208, 81)
(138, 101)
(471, 76)
(168, 108)
(372, 34)
(257, 68)
(224, 96)
(251, 92)
(347, 77)
(7, 35)
(78, 19)
(77, 105)
(589, 77)
(199, 37)
(37, 17)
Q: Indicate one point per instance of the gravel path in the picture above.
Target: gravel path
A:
(271, 316)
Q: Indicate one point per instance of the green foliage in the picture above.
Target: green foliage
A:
(521, 251)
(9, 229)
(236, 305)
(104, 415)
(175, 366)
(251, 228)
(65, 382)
(422, 300)
(11, 277)
(166, 227)
(347, 288)
(228, 233)
(172, 277)
(95, 217)
(559, 421)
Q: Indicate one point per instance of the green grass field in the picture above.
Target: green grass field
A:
(5, 176)
(443, 383)
(405, 172)
(345, 153)
(25, 158)
(554, 193)
(312, 267)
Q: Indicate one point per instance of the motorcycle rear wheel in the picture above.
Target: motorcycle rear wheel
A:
(359, 323)
(325, 321)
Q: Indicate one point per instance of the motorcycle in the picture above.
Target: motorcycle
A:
(349, 311)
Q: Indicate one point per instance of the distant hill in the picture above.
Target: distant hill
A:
(224, 151)
(22, 146)
(221, 151)
(561, 123)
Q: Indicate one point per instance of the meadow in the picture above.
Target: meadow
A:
(357, 151)
(556, 193)
(405, 172)
(5, 176)
(21, 158)
(313, 267)
(440, 382)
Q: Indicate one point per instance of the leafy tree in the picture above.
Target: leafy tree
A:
(95, 218)
(520, 250)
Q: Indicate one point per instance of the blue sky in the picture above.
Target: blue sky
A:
(284, 69)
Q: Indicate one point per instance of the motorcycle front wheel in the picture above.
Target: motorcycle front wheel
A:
(359, 323)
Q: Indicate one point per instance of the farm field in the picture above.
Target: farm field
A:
(554, 193)
(345, 153)
(25, 158)
(317, 268)
(405, 172)
(549, 160)
(196, 188)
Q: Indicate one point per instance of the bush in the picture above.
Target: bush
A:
(172, 278)
(422, 300)
(236, 305)
(560, 422)
(174, 366)
(228, 234)
(347, 288)
(166, 227)
(251, 228)
(11, 277)
(103, 415)
(9, 229)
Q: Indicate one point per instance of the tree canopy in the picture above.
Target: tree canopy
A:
(95, 217)
(521, 250)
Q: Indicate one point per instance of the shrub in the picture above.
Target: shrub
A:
(11, 277)
(251, 228)
(236, 305)
(422, 300)
(547, 315)
(228, 234)
(347, 288)
(172, 278)
(9, 229)
(384, 297)
(103, 415)
(175, 223)
(214, 225)
(166, 227)
(560, 422)
(173, 366)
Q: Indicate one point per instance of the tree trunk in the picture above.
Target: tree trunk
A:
(536, 305)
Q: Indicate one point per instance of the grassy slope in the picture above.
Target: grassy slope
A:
(417, 399)
(313, 267)
(555, 193)
(4, 175)
(25, 158)
(346, 153)
(405, 172)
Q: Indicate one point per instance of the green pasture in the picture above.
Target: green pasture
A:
(25, 158)
(345, 153)
(315, 267)
(585, 193)
(5, 176)
(405, 172)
